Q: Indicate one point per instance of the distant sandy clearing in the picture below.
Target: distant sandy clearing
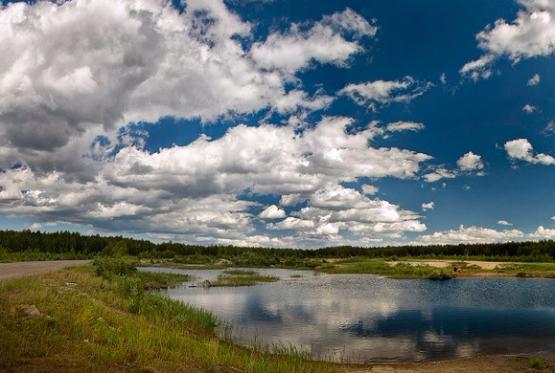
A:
(447, 263)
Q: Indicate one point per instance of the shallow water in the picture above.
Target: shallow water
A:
(361, 318)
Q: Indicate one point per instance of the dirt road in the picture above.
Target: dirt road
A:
(20, 269)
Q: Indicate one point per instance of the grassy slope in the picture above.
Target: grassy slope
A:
(96, 325)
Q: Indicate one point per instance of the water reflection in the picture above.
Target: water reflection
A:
(362, 318)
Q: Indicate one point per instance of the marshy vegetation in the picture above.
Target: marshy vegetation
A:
(112, 267)
(240, 277)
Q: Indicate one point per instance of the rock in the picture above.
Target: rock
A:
(29, 310)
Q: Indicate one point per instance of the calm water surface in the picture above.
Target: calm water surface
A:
(361, 318)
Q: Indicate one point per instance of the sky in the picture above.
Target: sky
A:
(279, 123)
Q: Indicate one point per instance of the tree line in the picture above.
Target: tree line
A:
(91, 245)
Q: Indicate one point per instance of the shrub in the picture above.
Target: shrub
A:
(133, 289)
(107, 267)
(537, 362)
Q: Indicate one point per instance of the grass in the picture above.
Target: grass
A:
(380, 267)
(109, 323)
(544, 270)
(405, 270)
(158, 280)
(31, 255)
(246, 278)
(240, 272)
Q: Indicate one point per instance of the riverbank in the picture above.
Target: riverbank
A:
(401, 268)
(394, 267)
(77, 320)
(482, 364)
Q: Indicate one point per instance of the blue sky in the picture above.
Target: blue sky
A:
(280, 123)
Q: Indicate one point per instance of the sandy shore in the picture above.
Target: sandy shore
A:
(443, 263)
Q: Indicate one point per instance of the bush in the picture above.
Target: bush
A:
(537, 362)
(440, 276)
(107, 268)
(133, 289)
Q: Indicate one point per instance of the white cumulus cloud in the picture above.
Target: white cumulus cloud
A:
(529, 108)
(73, 70)
(369, 189)
(470, 162)
(323, 42)
(272, 212)
(543, 233)
(530, 34)
(385, 92)
(534, 80)
(521, 149)
(428, 206)
(471, 234)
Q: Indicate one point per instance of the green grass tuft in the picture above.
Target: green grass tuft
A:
(242, 280)
(240, 272)
(537, 362)
(160, 280)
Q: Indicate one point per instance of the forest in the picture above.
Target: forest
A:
(75, 245)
